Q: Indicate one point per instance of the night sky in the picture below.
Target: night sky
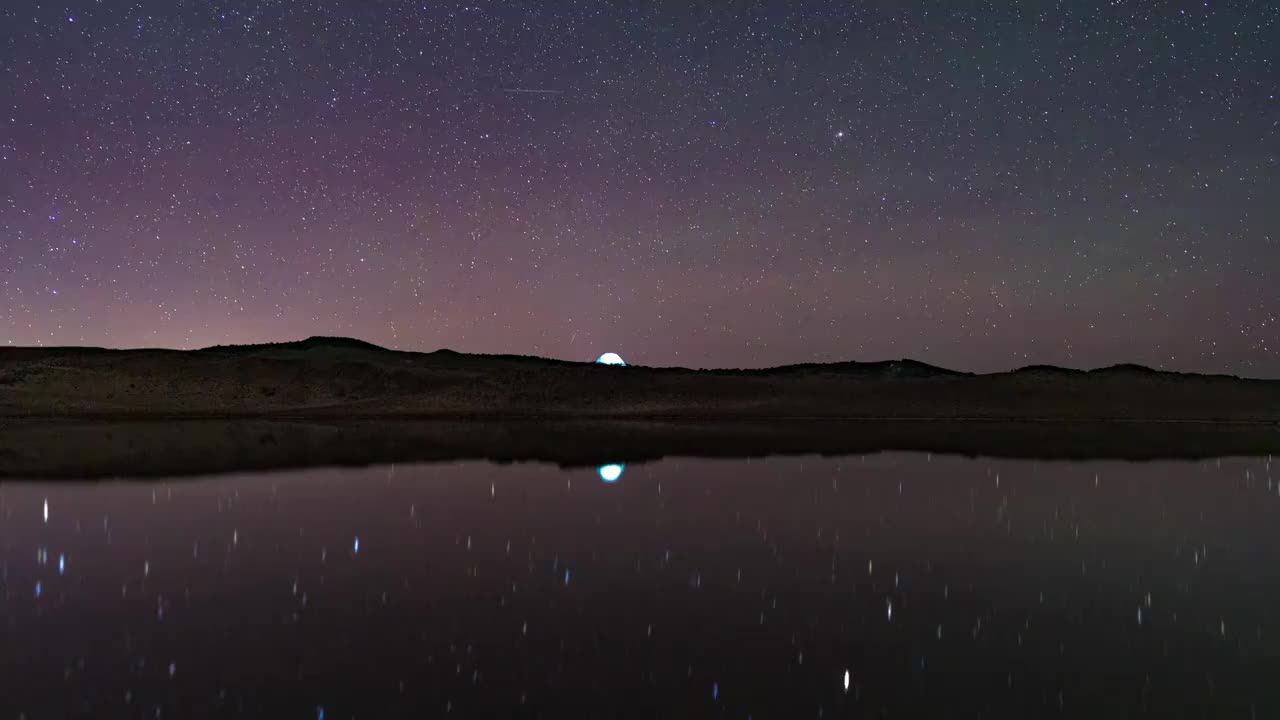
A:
(976, 185)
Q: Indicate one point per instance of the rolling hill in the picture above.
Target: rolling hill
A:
(340, 377)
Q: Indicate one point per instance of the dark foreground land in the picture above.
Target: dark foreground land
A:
(85, 413)
(78, 449)
(341, 378)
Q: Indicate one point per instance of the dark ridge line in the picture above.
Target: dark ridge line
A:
(916, 368)
(324, 415)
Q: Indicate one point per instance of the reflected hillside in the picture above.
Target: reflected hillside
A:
(80, 449)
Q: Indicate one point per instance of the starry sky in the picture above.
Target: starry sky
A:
(979, 185)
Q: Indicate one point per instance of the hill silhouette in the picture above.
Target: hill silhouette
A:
(343, 377)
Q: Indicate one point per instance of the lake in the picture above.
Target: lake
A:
(885, 585)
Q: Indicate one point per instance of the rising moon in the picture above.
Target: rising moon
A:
(610, 473)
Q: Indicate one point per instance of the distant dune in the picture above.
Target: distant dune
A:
(343, 378)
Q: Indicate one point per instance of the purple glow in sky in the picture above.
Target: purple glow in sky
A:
(979, 187)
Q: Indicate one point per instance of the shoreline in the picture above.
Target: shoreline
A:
(71, 449)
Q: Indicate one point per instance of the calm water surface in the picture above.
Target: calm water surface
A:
(885, 586)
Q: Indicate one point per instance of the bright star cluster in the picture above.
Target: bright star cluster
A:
(980, 186)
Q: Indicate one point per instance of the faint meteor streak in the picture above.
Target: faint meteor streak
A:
(532, 91)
